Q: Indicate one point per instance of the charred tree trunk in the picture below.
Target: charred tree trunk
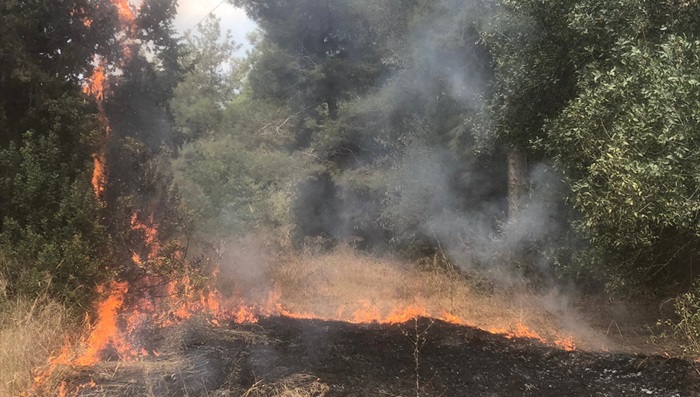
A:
(517, 184)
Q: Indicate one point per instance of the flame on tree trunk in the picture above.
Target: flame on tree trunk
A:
(95, 87)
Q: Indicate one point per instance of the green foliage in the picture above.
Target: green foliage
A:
(54, 235)
(45, 49)
(50, 235)
(686, 323)
(607, 90)
(201, 97)
(532, 46)
(312, 56)
(388, 123)
(626, 143)
(237, 174)
(50, 230)
(240, 176)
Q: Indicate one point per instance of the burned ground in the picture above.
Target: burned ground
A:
(288, 357)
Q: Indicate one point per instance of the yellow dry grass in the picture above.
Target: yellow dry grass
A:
(298, 385)
(29, 332)
(337, 284)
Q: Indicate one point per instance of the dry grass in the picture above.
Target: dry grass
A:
(298, 385)
(336, 285)
(29, 332)
(325, 283)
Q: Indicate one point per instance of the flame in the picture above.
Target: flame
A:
(521, 331)
(136, 258)
(95, 87)
(81, 12)
(118, 319)
(566, 343)
(126, 14)
(127, 19)
(106, 329)
(99, 178)
(150, 236)
(95, 84)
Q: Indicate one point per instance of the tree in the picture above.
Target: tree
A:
(50, 234)
(626, 144)
(212, 81)
(593, 85)
(235, 170)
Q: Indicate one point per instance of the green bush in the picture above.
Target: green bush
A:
(50, 236)
(687, 323)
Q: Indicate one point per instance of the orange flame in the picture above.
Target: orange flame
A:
(566, 344)
(521, 331)
(99, 178)
(95, 87)
(81, 12)
(109, 332)
(106, 329)
(150, 235)
(95, 84)
(126, 14)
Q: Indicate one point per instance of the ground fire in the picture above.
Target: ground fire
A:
(336, 322)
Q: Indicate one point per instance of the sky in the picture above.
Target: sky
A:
(190, 12)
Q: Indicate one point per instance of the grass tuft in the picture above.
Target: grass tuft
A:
(30, 331)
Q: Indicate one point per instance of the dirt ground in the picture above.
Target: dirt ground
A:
(288, 357)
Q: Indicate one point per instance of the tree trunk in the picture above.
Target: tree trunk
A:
(517, 184)
(332, 108)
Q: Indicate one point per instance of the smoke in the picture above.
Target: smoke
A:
(442, 190)
(244, 268)
(404, 163)
(434, 189)
(468, 219)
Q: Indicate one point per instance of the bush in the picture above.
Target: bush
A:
(687, 323)
(50, 235)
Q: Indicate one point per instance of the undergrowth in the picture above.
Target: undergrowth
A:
(30, 331)
(686, 324)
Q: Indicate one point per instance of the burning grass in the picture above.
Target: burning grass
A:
(353, 287)
(204, 350)
(303, 358)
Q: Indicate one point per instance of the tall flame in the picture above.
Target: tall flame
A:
(126, 14)
(95, 84)
(94, 87)
(103, 333)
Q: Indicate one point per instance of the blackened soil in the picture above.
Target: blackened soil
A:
(450, 360)
(340, 359)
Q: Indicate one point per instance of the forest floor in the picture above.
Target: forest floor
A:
(289, 357)
(615, 352)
